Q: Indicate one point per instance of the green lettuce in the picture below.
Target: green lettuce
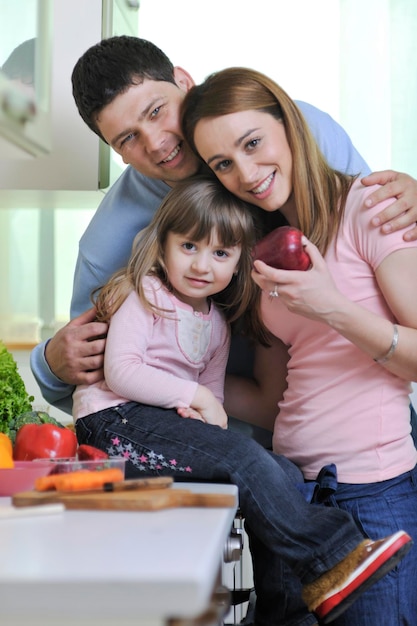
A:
(14, 398)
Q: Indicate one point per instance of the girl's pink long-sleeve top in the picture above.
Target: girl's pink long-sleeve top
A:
(158, 359)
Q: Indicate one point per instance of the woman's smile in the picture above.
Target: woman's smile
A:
(264, 188)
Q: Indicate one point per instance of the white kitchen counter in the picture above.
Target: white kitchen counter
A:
(115, 568)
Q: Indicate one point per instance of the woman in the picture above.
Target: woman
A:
(345, 329)
(167, 347)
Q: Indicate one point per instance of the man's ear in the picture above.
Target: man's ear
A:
(183, 79)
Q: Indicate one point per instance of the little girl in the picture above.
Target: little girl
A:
(187, 280)
(169, 313)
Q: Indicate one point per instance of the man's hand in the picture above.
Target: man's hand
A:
(76, 352)
(403, 212)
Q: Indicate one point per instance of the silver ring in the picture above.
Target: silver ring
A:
(274, 293)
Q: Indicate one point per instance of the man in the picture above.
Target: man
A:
(129, 93)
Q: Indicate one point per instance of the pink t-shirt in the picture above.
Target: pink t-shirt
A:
(156, 359)
(340, 406)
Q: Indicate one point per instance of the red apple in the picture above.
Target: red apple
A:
(282, 249)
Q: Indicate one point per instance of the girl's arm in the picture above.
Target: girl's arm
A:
(127, 370)
(255, 400)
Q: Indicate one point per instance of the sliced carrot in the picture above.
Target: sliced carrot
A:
(81, 480)
(46, 483)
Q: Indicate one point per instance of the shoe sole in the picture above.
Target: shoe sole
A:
(384, 560)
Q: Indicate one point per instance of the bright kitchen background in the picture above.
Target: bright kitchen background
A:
(355, 59)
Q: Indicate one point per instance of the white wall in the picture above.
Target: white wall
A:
(296, 42)
(355, 59)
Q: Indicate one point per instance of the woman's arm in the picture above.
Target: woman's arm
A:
(315, 295)
(373, 334)
(255, 400)
(396, 279)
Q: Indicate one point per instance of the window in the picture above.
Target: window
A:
(355, 59)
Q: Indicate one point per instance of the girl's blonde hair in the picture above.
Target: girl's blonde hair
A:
(193, 208)
(319, 191)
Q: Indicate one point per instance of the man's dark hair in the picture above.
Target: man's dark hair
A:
(110, 68)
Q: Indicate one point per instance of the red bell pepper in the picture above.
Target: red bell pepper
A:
(44, 441)
(90, 453)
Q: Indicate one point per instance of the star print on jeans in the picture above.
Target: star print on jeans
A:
(145, 461)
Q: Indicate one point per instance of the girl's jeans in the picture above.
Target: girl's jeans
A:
(309, 539)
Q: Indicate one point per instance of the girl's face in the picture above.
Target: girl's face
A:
(198, 269)
(249, 153)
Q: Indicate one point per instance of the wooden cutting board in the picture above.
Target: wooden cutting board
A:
(140, 500)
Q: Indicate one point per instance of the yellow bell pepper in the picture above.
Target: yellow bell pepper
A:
(6, 452)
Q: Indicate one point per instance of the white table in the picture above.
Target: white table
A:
(116, 568)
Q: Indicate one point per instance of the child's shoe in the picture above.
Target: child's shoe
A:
(332, 593)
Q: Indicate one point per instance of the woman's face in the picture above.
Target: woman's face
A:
(249, 153)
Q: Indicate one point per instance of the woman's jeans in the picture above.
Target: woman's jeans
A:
(380, 509)
(309, 539)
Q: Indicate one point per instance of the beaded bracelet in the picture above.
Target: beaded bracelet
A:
(393, 346)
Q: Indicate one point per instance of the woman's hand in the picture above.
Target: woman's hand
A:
(312, 293)
(402, 212)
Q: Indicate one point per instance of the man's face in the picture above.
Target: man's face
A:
(143, 126)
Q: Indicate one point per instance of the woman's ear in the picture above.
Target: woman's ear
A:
(183, 79)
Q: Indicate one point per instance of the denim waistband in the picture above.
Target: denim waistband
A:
(326, 484)
(319, 490)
